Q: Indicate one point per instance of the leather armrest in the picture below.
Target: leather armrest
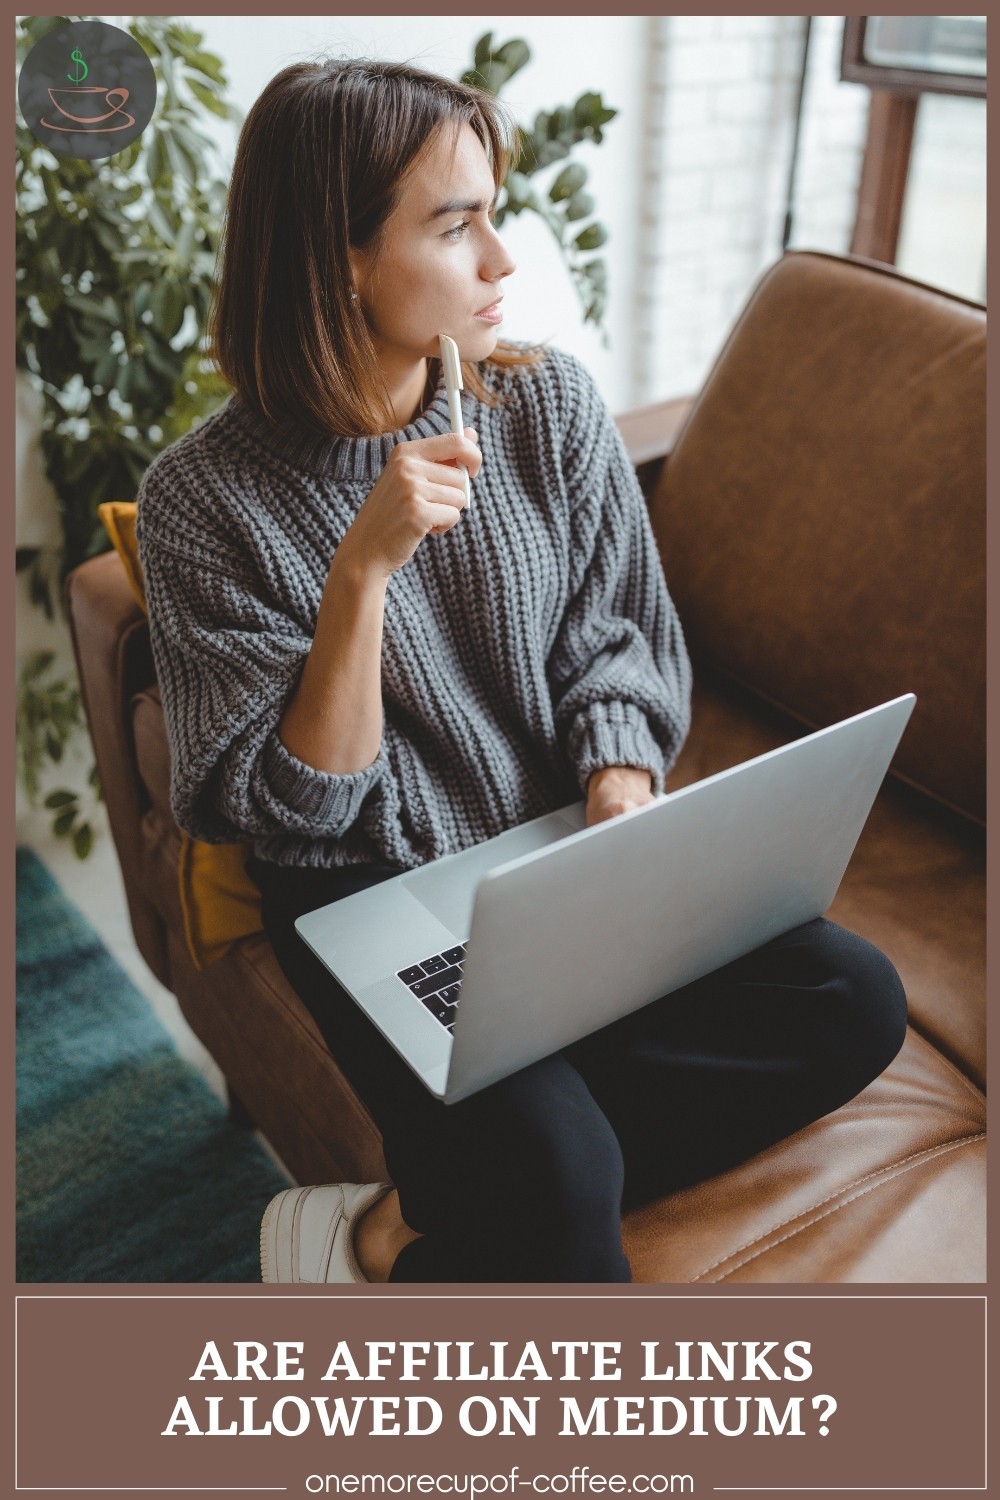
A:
(111, 643)
(649, 434)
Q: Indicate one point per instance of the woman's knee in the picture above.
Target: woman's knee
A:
(869, 1015)
(569, 1177)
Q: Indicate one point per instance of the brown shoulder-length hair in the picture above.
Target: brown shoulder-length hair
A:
(320, 166)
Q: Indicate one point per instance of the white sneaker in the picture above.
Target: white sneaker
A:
(307, 1233)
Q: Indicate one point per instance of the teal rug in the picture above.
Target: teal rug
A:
(128, 1168)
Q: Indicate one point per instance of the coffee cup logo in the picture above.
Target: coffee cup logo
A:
(87, 89)
(88, 99)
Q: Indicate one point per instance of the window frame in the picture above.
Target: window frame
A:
(855, 68)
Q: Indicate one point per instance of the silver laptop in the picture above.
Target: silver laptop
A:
(477, 964)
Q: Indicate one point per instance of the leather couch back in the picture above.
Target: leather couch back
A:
(822, 516)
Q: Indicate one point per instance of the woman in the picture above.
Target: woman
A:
(360, 675)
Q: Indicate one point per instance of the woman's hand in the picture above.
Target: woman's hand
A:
(617, 789)
(419, 492)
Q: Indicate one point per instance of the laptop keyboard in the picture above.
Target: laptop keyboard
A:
(435, 981)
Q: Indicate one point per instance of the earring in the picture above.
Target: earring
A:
(354, 296)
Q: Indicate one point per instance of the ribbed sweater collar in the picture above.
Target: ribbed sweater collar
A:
(331, 456)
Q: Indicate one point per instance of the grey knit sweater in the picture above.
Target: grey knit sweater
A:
(525, 648)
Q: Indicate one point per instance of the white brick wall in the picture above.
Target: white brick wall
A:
(722, 115)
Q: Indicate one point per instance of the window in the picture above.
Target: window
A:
(925, 54)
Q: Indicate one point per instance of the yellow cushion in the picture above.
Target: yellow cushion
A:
(219, 901)
(118, 517)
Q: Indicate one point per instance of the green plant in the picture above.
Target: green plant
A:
(115, 260)
(551, 139)
(48, 721)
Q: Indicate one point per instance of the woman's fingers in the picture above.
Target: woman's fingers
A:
(449, 448)
(443, 517)
(420, 492)
(446, 476)
(440, 494)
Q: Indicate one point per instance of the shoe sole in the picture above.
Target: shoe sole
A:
(282, 1208)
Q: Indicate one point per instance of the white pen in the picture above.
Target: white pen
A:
(453, 381)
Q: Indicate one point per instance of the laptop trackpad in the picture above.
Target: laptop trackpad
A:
(447, 887)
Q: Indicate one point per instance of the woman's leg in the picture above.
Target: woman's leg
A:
(520, 1182)
(707, 1076)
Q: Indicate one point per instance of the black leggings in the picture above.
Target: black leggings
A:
(527, 1180)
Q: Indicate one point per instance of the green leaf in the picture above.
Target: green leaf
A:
(61, 799)
(155, 161)
(165, 361)
(194, 140)
(160, 222)
(169, 78)
(137, 257)
(585, 109)
(208, 99)
(591, 238)
(83, 841)
(167, 304)
(62, 824)
(596, 272)
(186, 241)
(513, 56)
(569, 181)
(492, 77)
(590, 112)
(580, 206)
(179, 159)
(483, 50)
(106, 370)
(205, 63)
(103, 310)
(124, 380)
(550, 151)
(37, 666)
(144, 388)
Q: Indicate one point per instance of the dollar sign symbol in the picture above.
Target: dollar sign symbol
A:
(76, 56)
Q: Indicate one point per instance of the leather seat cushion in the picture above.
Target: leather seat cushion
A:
(872, 1192)
(915, 886)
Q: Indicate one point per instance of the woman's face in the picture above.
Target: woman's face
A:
(442, 261)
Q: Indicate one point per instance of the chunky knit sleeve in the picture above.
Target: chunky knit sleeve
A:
(619, 670)
(227, 660)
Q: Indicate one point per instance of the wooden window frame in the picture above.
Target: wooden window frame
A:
(895, 94)
(855, 68)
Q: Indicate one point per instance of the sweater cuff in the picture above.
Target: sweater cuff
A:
(614, 734)
(329, 802)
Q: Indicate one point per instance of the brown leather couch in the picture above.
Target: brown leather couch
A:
(820, 509)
